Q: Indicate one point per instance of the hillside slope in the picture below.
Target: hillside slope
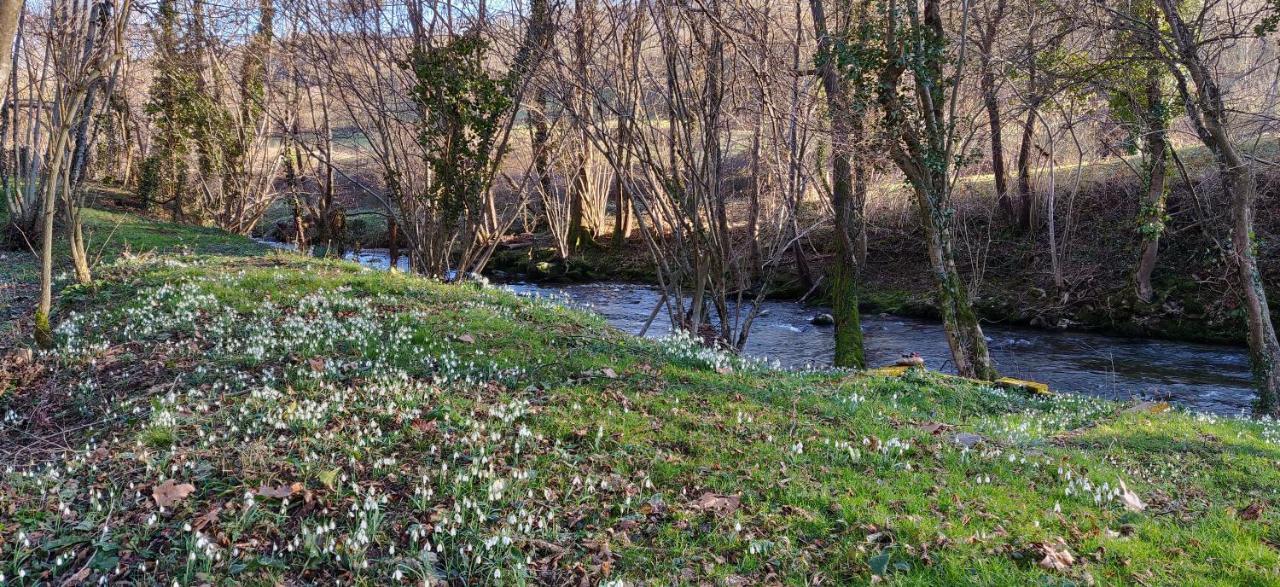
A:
(270, 419)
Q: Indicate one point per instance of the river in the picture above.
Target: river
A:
(1202, 377)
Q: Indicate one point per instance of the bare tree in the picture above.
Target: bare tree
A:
(82, 44)
(1192, 48)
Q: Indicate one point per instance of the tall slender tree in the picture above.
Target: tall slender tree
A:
(1189, 54)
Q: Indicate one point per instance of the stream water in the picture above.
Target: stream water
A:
(1201, 377)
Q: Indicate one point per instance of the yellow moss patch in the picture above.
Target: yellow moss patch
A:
(1023, 385)
(890, 371)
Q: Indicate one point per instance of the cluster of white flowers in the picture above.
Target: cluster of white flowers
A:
(344, 381)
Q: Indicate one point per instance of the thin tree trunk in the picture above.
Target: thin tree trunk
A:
(1151, 217)
(1152, 207)
(10, 14)
(393, 244)
(753, 213)
(991, 102)
(998, 172)
(1025, 195)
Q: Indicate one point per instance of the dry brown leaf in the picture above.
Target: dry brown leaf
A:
(207, 518)
(424, 426)
(278, 491)
(1253, 511)
(717, 503)
(467, 338)
(78, 577)
(170, 492)
(1130, 499)
(609, 372)
(317, 365)
(1056, 557)
(934, 427)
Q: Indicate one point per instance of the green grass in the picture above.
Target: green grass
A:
(108, 235)
(341, 425)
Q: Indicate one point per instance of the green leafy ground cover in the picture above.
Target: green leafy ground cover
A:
(269, 419)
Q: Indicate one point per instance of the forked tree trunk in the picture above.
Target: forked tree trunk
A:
(922, 146)
(79, 252)
(964, 335)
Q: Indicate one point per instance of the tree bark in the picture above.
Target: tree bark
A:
(10, 14)
(1151, 212)
(991, 102)
(848, 209)
(581, 181)
(1025, 194)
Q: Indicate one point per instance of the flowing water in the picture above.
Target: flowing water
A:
(1202, 377)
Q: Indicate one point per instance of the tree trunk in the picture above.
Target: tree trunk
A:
(844, 269)
(79, 253)
(581, 181)
(1152, 206)
(964, 334)
(845, 129)
(393, 244)
(753, 213)
(48, 201)
(991, 102)
(1025, 195)
(10, 13)
(1151, 212)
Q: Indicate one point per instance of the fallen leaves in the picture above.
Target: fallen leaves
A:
(171, 492)
(935, 428)
(424, 426)
(1130, 499)
(1253, 511)
(717, 503)
(1057, 557)
(278, 491)
(210, 517)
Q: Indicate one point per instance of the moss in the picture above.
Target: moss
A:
(42, 331)
(1023, 385)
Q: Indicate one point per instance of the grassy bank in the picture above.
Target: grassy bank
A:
(267, 419)
(108, 235)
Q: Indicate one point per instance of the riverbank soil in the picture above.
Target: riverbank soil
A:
(228, 415)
